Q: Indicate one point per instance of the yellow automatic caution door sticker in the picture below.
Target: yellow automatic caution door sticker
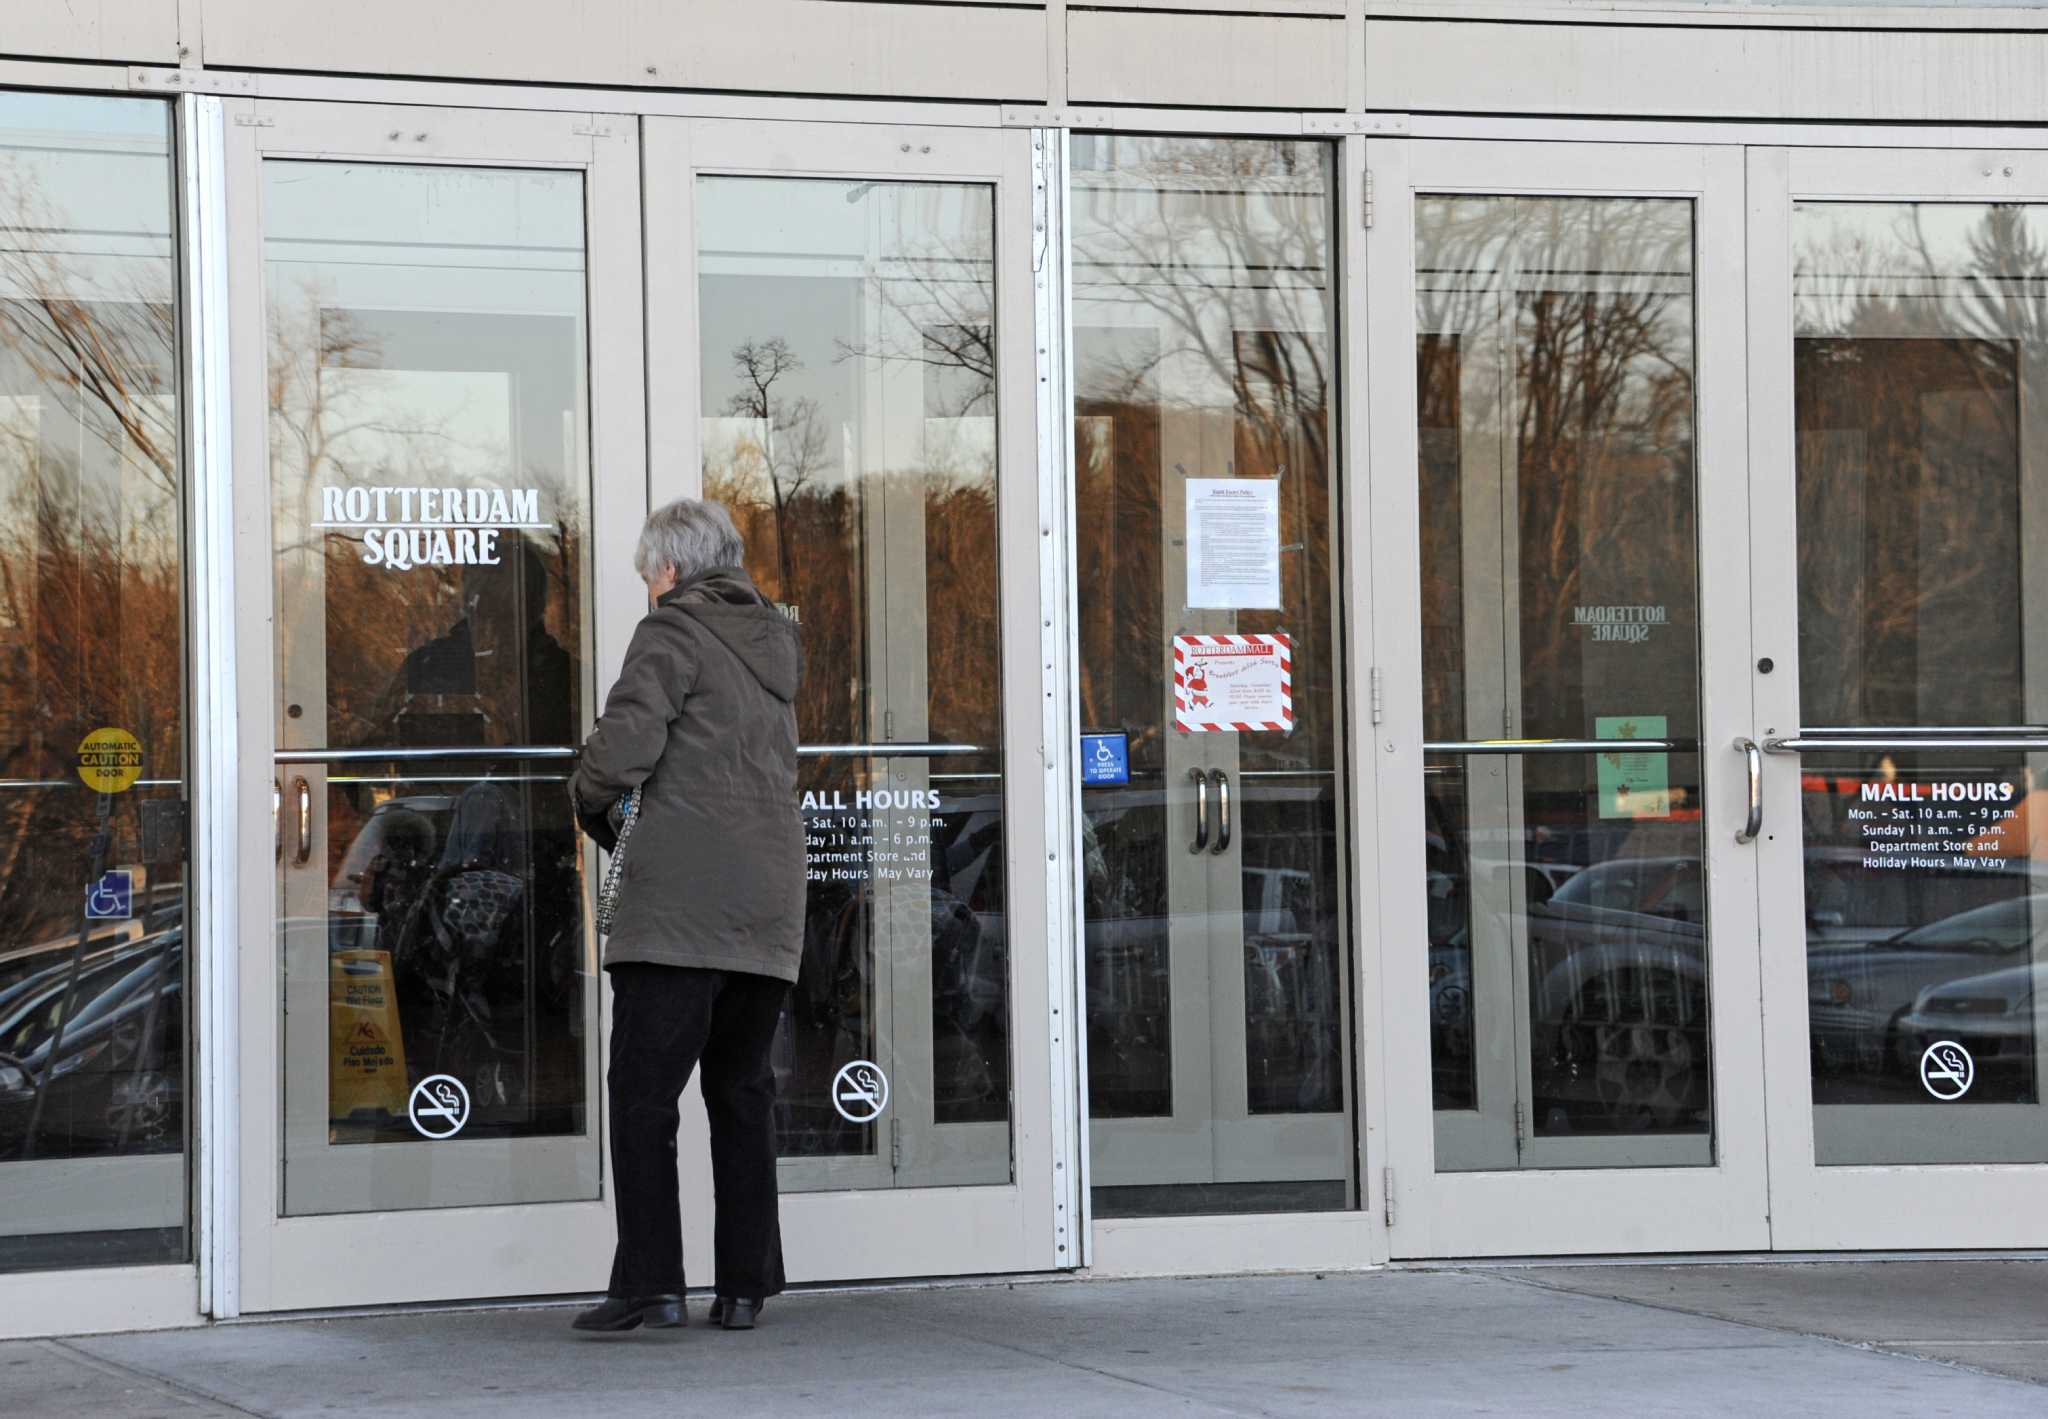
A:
(109, 760)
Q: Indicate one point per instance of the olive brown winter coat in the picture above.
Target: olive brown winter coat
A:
(703, 721)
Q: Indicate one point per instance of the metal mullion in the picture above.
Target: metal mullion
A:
(213, 746)
(1059, 647)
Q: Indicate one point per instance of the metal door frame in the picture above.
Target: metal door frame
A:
(1860, 1206)
(440, 1253)
(1023, 1225)
(1586, 1209)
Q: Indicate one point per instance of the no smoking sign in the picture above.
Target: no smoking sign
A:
(860, 1091)
(1947, 1070)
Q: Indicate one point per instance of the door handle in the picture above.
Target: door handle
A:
(1201, 781)
(1222, 781)
(303, 853)
(1753, 760)
(277, 818)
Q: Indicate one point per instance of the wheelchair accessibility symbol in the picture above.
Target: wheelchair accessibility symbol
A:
(1105, 759)
(112, 898)
(440, 1106)
(860, 1091)
(1947, 1070)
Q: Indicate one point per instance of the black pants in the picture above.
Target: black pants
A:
(664, 1020)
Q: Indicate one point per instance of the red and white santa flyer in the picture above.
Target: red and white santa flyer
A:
(1240, 684)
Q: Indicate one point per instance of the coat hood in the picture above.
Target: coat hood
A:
(725, 603)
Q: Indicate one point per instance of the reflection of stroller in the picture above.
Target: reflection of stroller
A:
(460, 955)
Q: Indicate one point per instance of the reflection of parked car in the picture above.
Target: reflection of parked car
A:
(1619, 1001)
(1617, 978)
(116, 1084)
(1617, 973)
(1848, 904)
(1284, 929)
(1993, 1017)
(1858, 997)
(1673, 888)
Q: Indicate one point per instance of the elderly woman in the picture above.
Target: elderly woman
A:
(708, 923)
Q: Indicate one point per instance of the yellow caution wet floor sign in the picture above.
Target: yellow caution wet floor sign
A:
(366, 1049)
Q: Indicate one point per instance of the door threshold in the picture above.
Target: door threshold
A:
(564, 1301)
(1731, 1258)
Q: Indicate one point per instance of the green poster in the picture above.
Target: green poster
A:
(1633, 785)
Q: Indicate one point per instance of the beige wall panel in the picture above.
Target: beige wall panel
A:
(1240, 7)
(1423, 66)
(1210, 61)
(781, 46)
(1779, 14)
(123, 31)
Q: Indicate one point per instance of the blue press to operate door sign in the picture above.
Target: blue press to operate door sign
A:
(1105, 758)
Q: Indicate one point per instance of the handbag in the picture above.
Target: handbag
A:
(608, 890)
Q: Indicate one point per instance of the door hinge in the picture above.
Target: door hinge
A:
(888, 726)
(1387, 1195)
(254, 120)
(1519, 1133)
(895, 1145)
(1379, 696)
(1368, 199)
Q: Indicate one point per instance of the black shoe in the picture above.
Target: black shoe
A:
(629, 1313)
(729, 1313)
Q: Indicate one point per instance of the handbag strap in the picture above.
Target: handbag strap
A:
(608, 891)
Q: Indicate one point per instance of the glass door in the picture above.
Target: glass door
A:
(445, 358)
(1218, 940)
(1567, 932)
(94, 1124)
(843, 321)
(1900, 381)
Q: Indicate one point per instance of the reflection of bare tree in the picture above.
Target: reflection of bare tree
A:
(788, 446)
(939, 312)
(90, 598)
(1920, 327)
(1217, 239)
(1556, 335)
(370, 616)
(1203, 348)
(98, 336)
(916, 391)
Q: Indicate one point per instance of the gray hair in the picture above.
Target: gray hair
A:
(690, 535)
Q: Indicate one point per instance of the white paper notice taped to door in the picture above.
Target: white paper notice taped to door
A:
(1233, 543)
(1233, 683)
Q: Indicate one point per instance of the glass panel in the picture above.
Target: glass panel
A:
(1919, 360)
(1567, 917)
(430, 509)
(93, 1121)
(849, 388)
(1218, 978)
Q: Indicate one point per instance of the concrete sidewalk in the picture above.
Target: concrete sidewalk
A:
(1872, 1338)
